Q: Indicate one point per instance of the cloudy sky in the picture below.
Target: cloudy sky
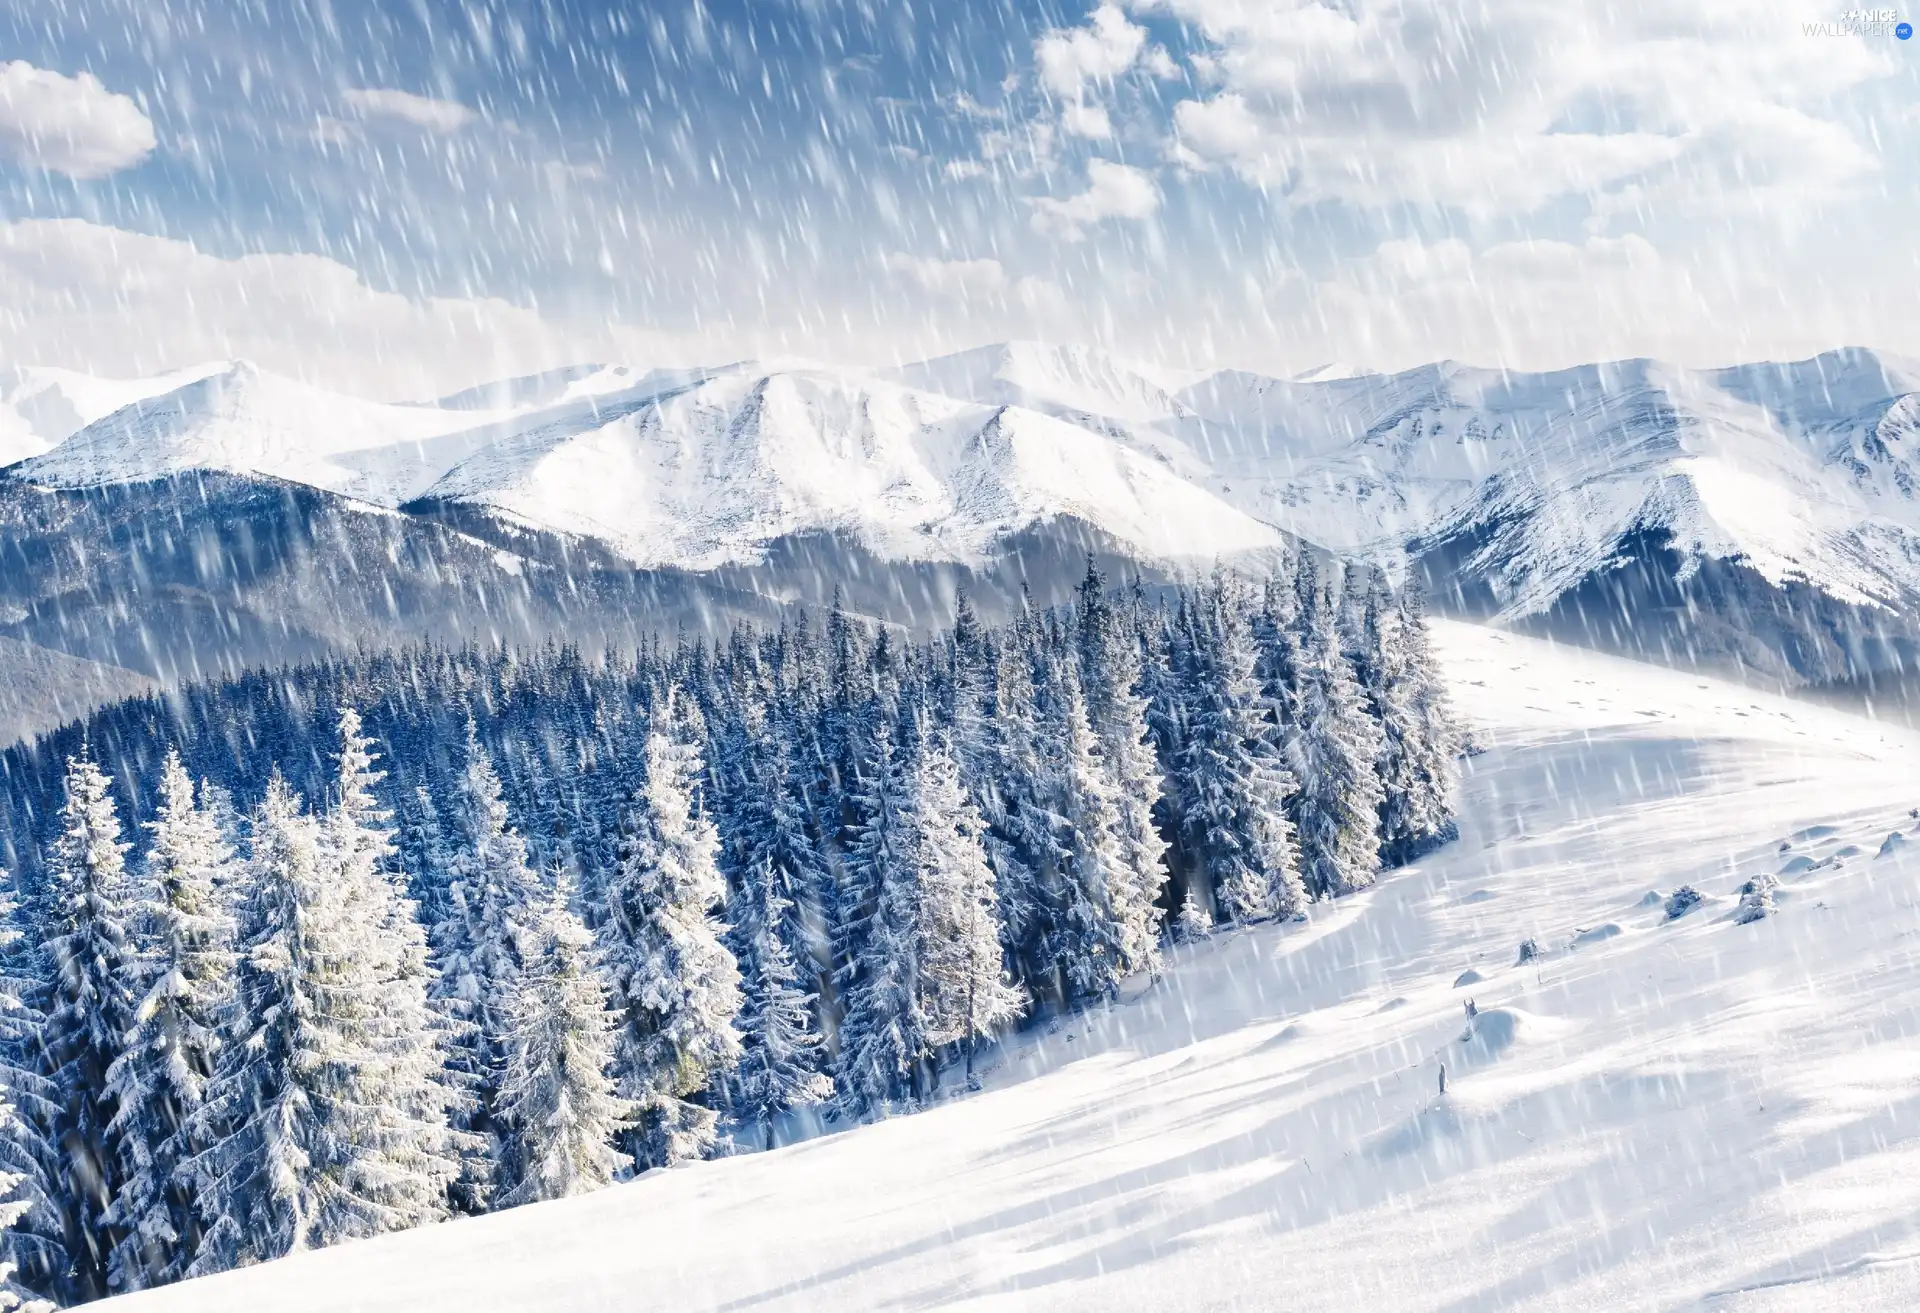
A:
(402, 196)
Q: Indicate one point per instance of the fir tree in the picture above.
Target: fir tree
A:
(781, 1049)
(930, 967)
(674, 985)
(1232, 784)
(413, 1099)
(13, 1299)
(1421, 739)
(1193, 922)
(1334, 749)
(31, 1251)
(493, 895)
(1112, 676)
(964, 979)
(158, 1082)
(1085, 861)
(328, 1116)
(557, 1111)
(264, 1179)
(92, 972)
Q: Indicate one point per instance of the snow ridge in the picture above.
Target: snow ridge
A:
(1804, 471)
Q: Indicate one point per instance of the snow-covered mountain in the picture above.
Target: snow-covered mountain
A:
(1765, 515)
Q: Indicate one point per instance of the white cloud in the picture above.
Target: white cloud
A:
(1072, 59)
(70, 125)
(1114, 191)
(984, 285)
(424, 112)
(1501, 107)
(955, 278)
(1548, 304)
(124, 304)
(1083, 120)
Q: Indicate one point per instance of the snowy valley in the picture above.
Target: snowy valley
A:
(1653, 1113)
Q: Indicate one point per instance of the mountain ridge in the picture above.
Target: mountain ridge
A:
(1794, 486)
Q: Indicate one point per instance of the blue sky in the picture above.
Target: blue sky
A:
(1264, 183)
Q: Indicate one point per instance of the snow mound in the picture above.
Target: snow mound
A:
(1651, 898)
(1892, 844)
(1468, 977)
(1493, 1032)
(1599, 934)
(1797, 865)
(1850, 850)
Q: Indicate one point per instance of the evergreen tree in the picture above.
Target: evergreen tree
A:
(557, 1110)
(413, 1097)
(967, 993)
(1232, 784)
(327, 1118)
(92, 973)
(930, 967)
(1421, 739)
(31, 1251)
(881, 1035)
(13, 1299)
(1334, 749)
(781, 1049)
(275, 1175)
(158, 1082)
(1113, 679)
(674, 984)
(493, 896)
(1084, 861)
(1193, 922)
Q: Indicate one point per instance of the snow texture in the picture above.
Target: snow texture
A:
(1687, 1112)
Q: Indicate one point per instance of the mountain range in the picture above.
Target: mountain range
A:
(1760, 516)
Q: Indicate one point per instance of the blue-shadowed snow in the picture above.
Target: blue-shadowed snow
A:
(1689, 1111)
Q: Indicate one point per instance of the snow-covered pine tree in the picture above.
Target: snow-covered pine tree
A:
(557, 1111)
(157, 1082)
(263, 1179)
(1112, 679)
(674, 985)
(1232, 784)
(1193, 922)
(781, 1049)
(32, 1254)
(493, 896)
(882, 1034)
(1333, 748)
(13, 1207)
(92, 973)
(326, 1119)
(1422, 738)
(412, 1097)
(1022, 840)
(1085, 861)
(767, 836)
(963, 978)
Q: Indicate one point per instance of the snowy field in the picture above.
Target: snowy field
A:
(1653, 1115)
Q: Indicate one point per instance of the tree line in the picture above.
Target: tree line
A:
(420, 933)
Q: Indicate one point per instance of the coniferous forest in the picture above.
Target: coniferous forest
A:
(336, 950)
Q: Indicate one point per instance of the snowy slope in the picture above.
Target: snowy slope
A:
(40, 407)
(240, 419)
(1694, 1114)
